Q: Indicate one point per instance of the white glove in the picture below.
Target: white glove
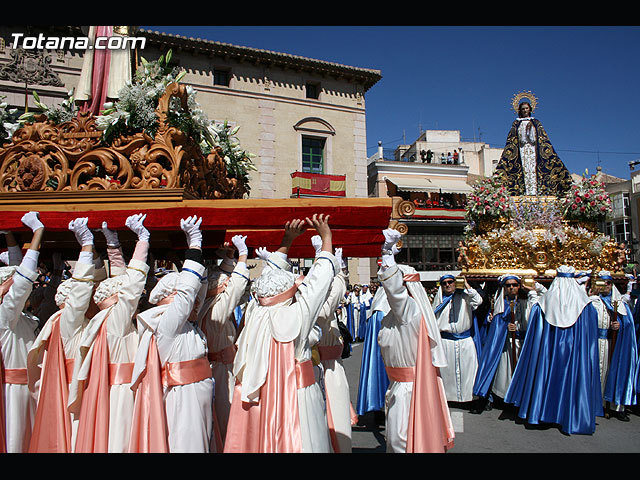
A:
(32, 220)
(395, 250)
(391, 237)
(239, 242)
(110, 235)
(316, 241)
(191, 227)
(262, 253)
(342, 261)
(81, 231)
(4, 257)
(135, 224)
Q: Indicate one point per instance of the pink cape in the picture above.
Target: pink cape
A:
(52, 424)
(93, 425)
(149, 430)
(272, 425)
(430, 428)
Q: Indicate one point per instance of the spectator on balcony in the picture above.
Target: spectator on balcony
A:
(449, 158)
(443, 158)
(456, 158)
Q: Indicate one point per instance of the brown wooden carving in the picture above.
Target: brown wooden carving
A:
(71, 157)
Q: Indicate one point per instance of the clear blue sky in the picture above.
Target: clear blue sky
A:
(586, 80)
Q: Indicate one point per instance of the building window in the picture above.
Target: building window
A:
(312, 154)
(221, 77)
(430, 251)
(312, 90)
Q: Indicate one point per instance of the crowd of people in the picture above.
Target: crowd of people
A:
(114, 355)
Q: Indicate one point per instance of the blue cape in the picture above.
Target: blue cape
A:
(374, 381)
(557, 377)
(620, 387)
(492, 349)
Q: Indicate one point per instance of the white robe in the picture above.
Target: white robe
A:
(335, 378)
(398, 340)
(285, 322)
(221, 332)
(189, 408)
(122, 343)
(503, 375)
(604, 321)
(17, 334)
(462, 361)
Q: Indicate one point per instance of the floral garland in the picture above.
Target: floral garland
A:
(489, 199)
(587, 200)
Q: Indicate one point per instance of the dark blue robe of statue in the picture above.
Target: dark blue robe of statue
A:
(557, 378)
(374, 381)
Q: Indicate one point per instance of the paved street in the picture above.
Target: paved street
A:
(499, 431)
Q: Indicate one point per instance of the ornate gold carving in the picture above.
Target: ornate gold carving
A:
(406, 208)
(498, 250)
(71, 157)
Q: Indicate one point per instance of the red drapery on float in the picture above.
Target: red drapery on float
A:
(356, 224)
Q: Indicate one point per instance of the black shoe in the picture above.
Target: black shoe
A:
(489, 406)
(622, 416)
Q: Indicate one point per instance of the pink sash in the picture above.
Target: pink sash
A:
(16, 376)
(184, 373)
(273, 424)
(52, 424)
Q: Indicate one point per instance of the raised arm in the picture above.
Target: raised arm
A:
(181, 308)
(15, 299)
(135, 274)
(77, 302)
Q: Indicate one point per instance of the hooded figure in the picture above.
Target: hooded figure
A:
(100, 392)
(557, 378)
(173, 409)
(55, 427)
(417, 414)
(495, 366)
(454, 310)
(617, 347)
(226, 286)
(277, 406)
(17, 334)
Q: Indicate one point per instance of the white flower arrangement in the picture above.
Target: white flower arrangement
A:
(8, 121)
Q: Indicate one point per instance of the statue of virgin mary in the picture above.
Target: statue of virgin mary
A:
(529, 164)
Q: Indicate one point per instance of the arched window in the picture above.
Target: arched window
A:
(315, 136)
